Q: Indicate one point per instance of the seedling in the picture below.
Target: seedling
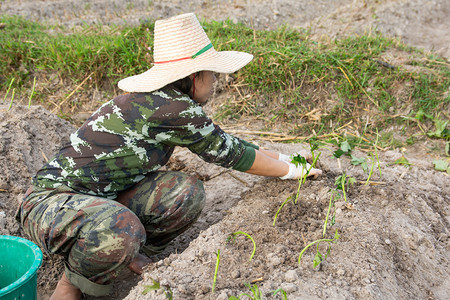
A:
(233, 236)
(256, 293)
(341, 181)
(297, 160)
(334, 196)
(215, 271)
(156, 286)
(282, 292)
(319, 257)
(288, 199)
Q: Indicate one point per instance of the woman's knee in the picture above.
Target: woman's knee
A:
(187, 195)
(115, 239)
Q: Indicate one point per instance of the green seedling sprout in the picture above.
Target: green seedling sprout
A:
(319, 257)
(371, 169)
(215, 271)
(330, 205)
(282, 292)
(32, 92)
(156, 286)
(341, 181)
(233, 236)
(297, 160)
(257, 295)
(279, 209)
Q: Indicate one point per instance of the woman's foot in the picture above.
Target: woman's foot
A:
(66, 290)
(138, 263)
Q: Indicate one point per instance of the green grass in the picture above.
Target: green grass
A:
(290, 75)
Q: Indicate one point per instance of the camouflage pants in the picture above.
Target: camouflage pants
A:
(98, 237)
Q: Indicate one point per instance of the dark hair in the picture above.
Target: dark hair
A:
(184, 84)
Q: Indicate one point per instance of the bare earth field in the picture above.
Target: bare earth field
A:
(394, 233)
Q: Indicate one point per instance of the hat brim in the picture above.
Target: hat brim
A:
(162, 74)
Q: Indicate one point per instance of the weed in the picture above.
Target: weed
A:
(233, 236)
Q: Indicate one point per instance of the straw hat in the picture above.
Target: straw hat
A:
(181, 47)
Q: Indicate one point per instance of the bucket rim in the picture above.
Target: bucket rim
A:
(33, 269)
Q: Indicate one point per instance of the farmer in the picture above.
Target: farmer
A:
(101, 199)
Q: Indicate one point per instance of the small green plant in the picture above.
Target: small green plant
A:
(288, 199)
(300, 160)
(233, 235)
(282, 292)
(254, 289)
(257, 294)
(215, 271)
(401, 161)
(156, 286)
(441, 165)
(319, 257)
(341, 181)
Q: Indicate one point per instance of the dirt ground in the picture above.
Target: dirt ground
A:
(394, 234)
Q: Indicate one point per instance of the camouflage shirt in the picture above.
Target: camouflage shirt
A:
(135, 134)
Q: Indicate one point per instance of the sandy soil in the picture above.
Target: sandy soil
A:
(394, 235)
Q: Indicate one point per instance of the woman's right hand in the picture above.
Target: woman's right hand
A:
(299, 171)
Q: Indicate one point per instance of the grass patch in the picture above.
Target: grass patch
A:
(312, 86)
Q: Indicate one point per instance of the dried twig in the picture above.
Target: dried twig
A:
(73, 92)
(257, 280)
(239, 179)
(373, 182)
(44, 156)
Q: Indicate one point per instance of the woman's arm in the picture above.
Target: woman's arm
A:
(267, 164)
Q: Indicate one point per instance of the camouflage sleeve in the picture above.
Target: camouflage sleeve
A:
(189, 127)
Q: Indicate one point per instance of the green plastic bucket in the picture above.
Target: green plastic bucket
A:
(19, 261)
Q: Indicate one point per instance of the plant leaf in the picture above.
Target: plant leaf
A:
(360, 161)
(298, 160)
(336, 235)
(440, 165)
(345, 146)
(402, 161)
(338, 153)
(154, 287)
(317, 259)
